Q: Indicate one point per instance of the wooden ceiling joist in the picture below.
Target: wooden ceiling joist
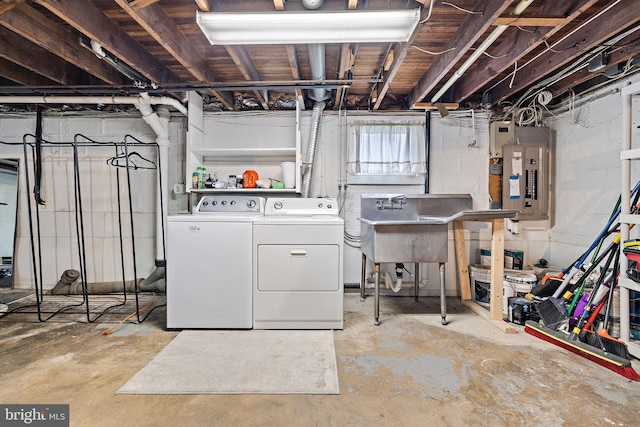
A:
(37, 60)
(468, 33)
(139, 4)
(35, 27)
(14, 72)
(278, 4)
(295, 72)
(160, 26)
(629, 48)
(516, 47)
(530, 21)
(203, 5)
(603, 28)
(9, 4)
(90, 21)
(249, 71)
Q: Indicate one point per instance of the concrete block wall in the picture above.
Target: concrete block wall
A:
(586, 171)
(99, 189)
(585, 184)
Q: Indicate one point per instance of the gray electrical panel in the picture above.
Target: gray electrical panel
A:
(525, 179)
(500, 134)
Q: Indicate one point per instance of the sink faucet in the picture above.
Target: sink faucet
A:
(393, 202)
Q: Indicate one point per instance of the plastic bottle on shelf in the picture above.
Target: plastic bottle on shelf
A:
(203, 173)
(195, 178)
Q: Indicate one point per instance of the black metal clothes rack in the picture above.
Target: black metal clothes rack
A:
(124, 161)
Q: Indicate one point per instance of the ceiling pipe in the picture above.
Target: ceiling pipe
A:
(129, 100)
(480, 50)
(316, 58)
(317, 64)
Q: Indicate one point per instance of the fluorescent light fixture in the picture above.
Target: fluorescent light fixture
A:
(308, 27)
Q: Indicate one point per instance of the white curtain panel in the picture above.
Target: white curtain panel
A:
(387, 149)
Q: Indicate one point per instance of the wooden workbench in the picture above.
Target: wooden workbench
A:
(494, 314)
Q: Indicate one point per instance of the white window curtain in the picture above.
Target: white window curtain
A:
(387, 149)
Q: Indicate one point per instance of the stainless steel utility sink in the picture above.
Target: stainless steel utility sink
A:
(413, 228)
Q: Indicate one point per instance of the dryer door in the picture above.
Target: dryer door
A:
(298, 268)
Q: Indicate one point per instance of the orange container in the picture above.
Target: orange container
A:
(249, 178)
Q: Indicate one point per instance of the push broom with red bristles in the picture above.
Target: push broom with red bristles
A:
(610, 361)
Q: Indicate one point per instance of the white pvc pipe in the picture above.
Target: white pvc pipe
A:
(88, 99)
(159, 122)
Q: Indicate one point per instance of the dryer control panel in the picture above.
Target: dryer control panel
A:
(301, 206)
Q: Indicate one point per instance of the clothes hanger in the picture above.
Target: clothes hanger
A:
(132, 160)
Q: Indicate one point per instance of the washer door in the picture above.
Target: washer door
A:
(294, 268)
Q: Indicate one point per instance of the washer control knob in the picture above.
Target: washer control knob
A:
(233, 202)
(277, 205)
(251, 204)
(224, 202)
(205, 203)
(320, 205)
(214, 202)
(329, 206)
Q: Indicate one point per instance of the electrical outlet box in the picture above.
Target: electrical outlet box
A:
(500, 134)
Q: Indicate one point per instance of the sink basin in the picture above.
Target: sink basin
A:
(413, 229)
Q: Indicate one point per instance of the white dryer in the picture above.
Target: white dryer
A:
(298, 265)
(209, 281)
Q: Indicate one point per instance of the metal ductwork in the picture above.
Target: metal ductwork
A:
(318, 108)
(316, 62)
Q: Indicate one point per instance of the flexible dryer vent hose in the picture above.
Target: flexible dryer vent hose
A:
(318, 108)
(69, 285)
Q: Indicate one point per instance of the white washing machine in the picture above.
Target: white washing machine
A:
(209, 281)
(298, 264)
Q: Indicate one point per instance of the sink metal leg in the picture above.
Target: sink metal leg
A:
(363, 276)
(376, 300)
(443, 296)
(416, 286)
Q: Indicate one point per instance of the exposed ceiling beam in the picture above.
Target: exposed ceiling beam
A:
(612, 21)
(9, 4)
(344, 64)
(531, 21)
(37, 59)
(248, 69)
(90, 21)
(471, 29)
(434, 106)
(278, 4)
(139, 4)
(295, 72)
(516, 47)
(14, 72)
(203, 5)
(35, 27)
(629, 48)
(401, 51)
(160, 26)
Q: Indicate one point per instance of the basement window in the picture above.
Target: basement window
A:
(386, 153)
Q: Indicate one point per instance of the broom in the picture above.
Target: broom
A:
(552, 311)
(610, 361)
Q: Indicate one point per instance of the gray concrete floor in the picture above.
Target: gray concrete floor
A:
(408, 371)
